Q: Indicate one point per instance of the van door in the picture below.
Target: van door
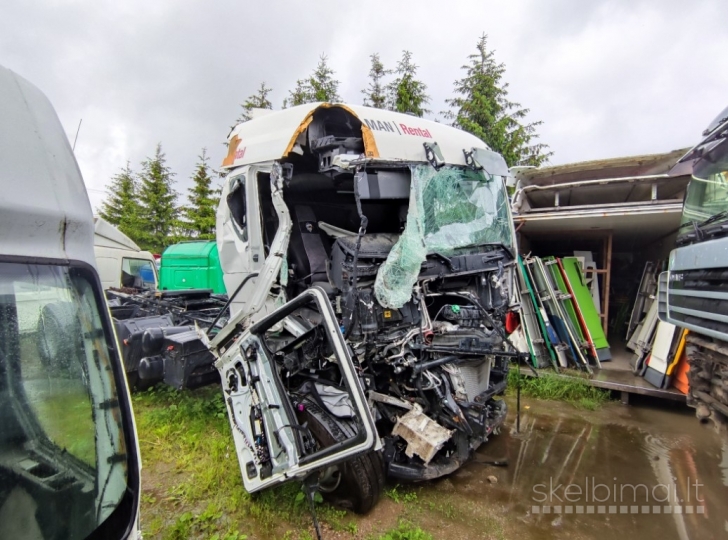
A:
(267, 389)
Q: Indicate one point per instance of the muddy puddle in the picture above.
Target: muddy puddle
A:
(622, 472)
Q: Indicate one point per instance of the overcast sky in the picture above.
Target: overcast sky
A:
(608, 78)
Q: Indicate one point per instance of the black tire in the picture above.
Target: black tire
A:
(137, 384)
(361, 479)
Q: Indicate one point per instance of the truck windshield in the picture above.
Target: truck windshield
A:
(462, 209)
(139, 273)
(707, 193)
(63, 454)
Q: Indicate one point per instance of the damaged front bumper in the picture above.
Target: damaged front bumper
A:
(443, 465)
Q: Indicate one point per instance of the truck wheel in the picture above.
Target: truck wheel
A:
(355, 484)
(137, 384)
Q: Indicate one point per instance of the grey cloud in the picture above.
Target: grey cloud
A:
(607, 78)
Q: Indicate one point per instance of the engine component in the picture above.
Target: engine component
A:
(184, 361)
(467, 317)
(470, 379)
(145, 323)
(372, 253)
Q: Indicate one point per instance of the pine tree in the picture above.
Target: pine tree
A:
(121, 207)
(298, 96)
(157, 198)
(203, 200)
(320, 86)
(259, 100)
(375, 95)
(405, 93)
(482, 108)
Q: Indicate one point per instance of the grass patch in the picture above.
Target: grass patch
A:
(192, 486)
(401, 494)
(66, 416)
(191, 480)
(572, 389)
(405, 531)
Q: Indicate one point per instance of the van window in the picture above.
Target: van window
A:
(63, 446)
(138, 273)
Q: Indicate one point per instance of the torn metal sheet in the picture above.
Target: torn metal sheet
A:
(424, 436)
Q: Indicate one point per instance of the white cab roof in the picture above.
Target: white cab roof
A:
(387, 135)
(44, 208)
(109, 236)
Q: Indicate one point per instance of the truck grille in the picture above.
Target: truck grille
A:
(697, 299)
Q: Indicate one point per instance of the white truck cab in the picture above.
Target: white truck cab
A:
(120, 261)
(69, 459)
(370, 261)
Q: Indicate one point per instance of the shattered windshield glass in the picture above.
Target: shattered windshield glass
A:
(452, 211)
(461, 208)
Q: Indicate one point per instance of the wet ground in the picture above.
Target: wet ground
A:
(640, 472)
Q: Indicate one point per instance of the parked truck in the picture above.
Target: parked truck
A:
(159, 335)
(121, 262)
(156, 320)
(370, 260)
(69, 459)
(693, 292)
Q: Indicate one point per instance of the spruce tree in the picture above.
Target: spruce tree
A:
(482, 108)
(202, 202)
(259, 100)
(406, 94)
(375, 95)
(121, 207)
(320, 86)
(157, 198)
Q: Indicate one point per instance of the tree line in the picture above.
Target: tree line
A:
(479, 105)
(143, 205)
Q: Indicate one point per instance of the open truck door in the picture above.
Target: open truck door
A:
(284, 432)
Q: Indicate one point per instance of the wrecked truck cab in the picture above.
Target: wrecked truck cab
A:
(364, 251)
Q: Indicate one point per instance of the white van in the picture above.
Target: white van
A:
(120, 261)
(69, 457)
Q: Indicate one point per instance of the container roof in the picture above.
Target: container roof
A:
(644, 222)
(44, 208)
(620, 167)
(387, 135)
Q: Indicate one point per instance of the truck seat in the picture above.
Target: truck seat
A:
(308, 249)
